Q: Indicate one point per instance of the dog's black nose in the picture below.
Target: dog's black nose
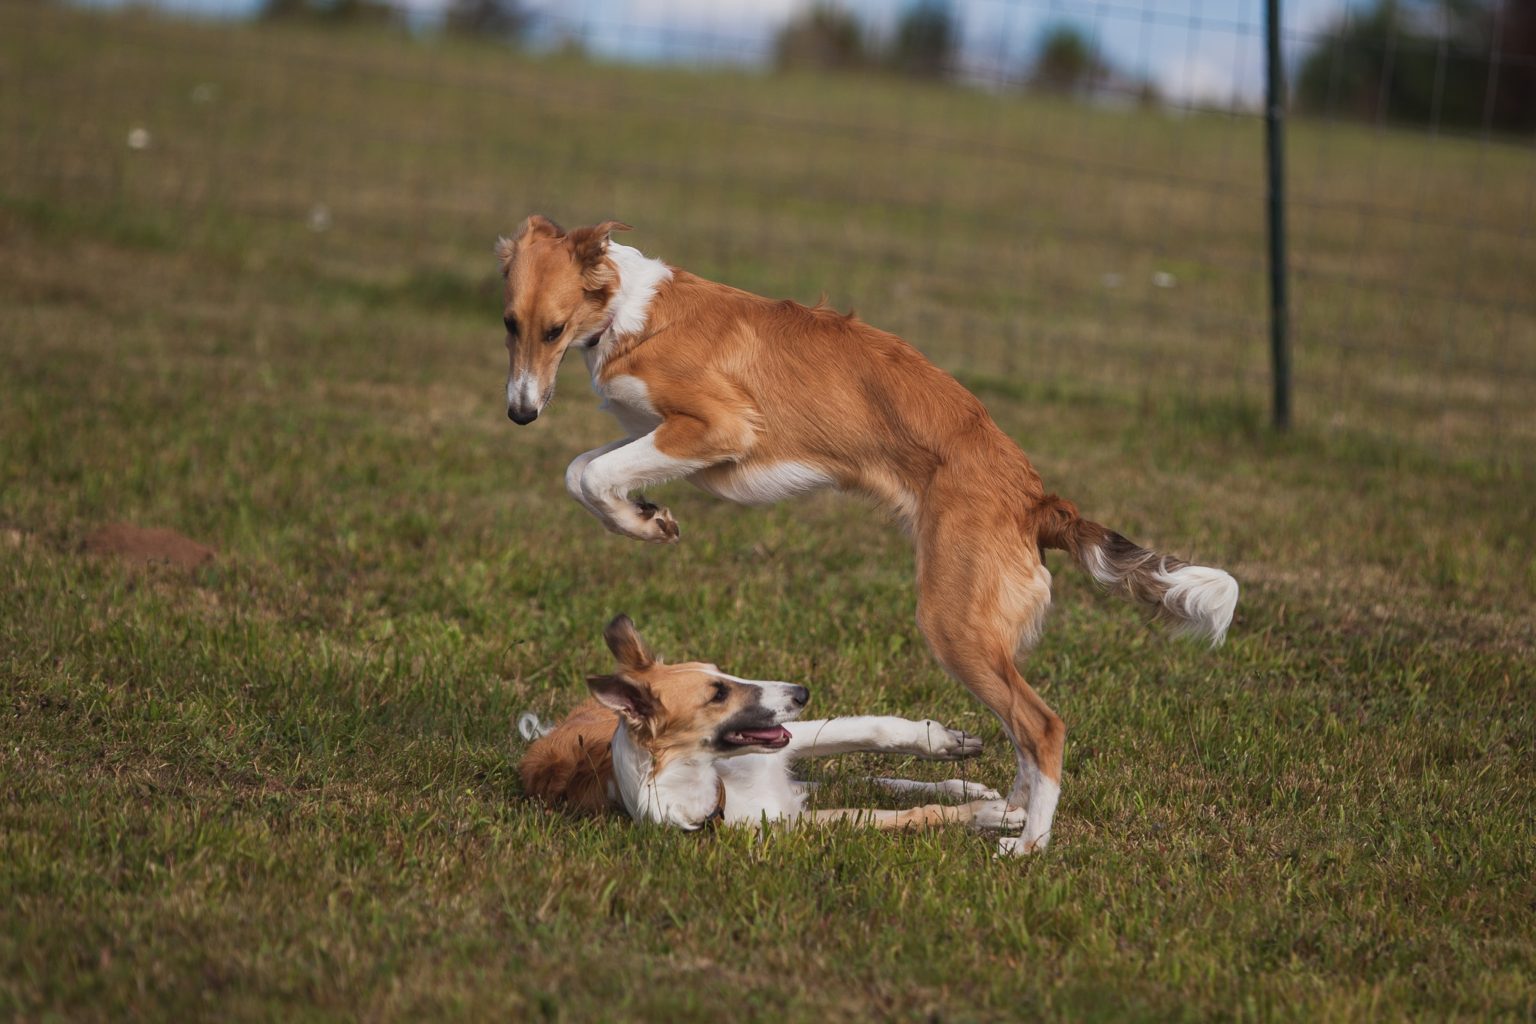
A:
(522, 419)
(800, 696)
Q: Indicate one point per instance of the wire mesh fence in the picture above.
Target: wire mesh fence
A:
(1066, 199)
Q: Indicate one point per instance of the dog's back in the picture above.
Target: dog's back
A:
(572, 765)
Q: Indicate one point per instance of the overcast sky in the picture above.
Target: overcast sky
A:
(1198, 50)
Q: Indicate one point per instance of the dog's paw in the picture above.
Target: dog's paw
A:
(941, 743)
(995, 813)
(964, 789)
(655, 523)
(1019, 846)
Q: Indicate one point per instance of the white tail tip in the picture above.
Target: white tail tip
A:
(1202, 598)
(530, 728)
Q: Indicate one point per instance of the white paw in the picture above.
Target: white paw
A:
(1018, 846)
(961, 789)
(995, 813)
(941, 743)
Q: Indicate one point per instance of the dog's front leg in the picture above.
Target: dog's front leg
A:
(880, 734)
(578, 466)
(608, 478)
(680, 446)
(958, 789)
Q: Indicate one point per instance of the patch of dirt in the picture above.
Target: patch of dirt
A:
(143, 545)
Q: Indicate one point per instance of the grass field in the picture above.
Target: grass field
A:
(283, 784)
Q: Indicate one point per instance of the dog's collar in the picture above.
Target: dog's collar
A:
(717, 815)
(597, 338)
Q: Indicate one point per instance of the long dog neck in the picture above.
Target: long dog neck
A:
(684, 791)
(629, 311)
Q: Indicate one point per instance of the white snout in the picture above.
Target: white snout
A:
(525, 399)
(523, 390)
(784, 700)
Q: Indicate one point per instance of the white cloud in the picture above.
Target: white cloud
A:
(1204, 81)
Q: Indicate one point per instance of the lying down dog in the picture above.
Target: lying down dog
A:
(688, 745)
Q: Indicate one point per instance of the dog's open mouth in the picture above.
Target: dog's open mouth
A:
(773, 738)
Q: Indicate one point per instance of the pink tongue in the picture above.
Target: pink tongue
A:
(773, 735)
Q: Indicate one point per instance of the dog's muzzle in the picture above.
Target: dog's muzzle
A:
(524, 399)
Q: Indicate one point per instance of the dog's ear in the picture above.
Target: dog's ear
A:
(625, 643)
(632, 700)
(590, 247)
(534, 227)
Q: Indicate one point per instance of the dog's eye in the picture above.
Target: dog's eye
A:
(553, 334)
(511, 322)
(721, 693)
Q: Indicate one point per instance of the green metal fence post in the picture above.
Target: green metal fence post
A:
(1274, 134)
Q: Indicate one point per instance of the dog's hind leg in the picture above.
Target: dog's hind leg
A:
(978, 814)
(978, 601)
(954, 789)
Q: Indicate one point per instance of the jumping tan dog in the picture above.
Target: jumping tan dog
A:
(756, 400)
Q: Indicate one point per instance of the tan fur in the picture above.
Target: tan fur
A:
(573, 765)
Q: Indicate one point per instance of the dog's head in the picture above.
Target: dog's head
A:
(692, 706)
(559, 285)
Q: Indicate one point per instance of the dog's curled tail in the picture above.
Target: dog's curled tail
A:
(530, 728)
(1200, 599)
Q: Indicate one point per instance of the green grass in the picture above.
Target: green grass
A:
(284, 785)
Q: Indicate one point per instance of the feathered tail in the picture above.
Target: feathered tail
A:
(1200, 599)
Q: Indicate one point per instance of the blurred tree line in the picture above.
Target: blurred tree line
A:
(1462, 63)
(828, 37)
(501, 20)
(926, 42)
(337, 12)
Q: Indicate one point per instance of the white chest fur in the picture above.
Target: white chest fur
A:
(684, 794)
(625, 396)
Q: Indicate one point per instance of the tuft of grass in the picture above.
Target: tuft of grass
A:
(284, 785)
